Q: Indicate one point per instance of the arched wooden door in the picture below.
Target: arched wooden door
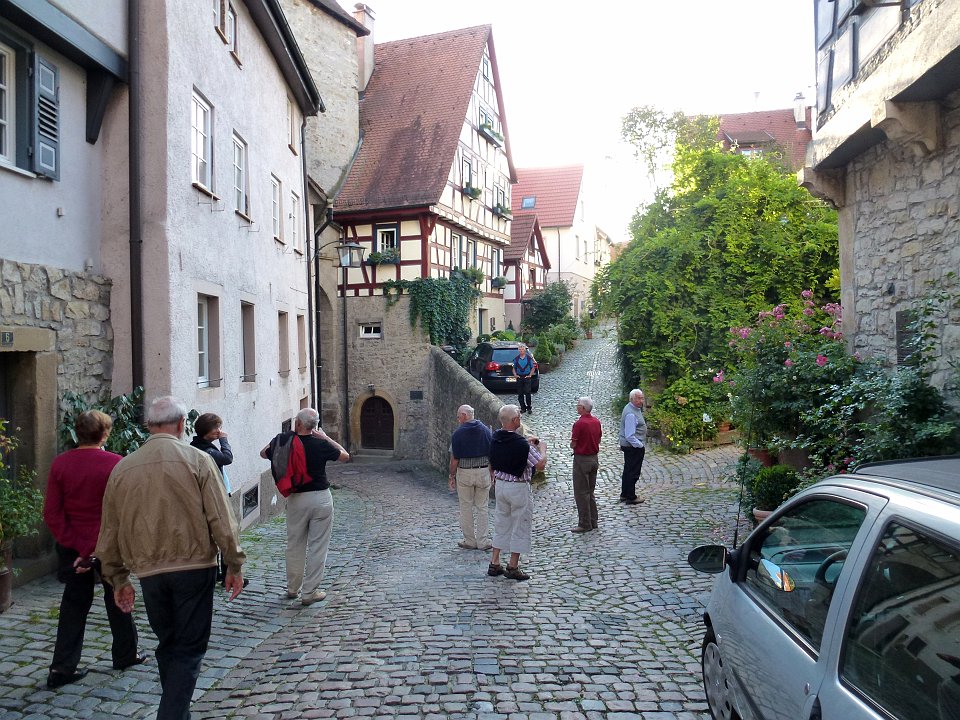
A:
(376, 424)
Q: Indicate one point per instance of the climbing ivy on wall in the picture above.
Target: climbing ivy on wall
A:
(443, 306)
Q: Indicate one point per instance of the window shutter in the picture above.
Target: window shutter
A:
(46, 118)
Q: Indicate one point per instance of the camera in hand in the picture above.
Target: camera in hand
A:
(86, 562)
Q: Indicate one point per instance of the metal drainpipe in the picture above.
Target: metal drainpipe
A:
(136, 210)
(310, 299)
(318, 367)
(346, 389)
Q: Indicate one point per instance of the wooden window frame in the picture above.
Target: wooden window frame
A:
(276, 207)
(201, 151)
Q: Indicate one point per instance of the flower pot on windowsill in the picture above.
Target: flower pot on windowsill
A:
(498, 282)
(472, 192)
(492, 135)
(503, 211)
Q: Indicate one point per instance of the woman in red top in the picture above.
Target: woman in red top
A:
(75, 487)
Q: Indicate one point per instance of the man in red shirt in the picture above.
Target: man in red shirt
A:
(585, 441)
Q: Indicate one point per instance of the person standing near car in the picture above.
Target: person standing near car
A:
(633, 440)
(470, 476)
(523, 372)
(585, 441)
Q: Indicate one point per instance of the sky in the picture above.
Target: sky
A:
(570, 71)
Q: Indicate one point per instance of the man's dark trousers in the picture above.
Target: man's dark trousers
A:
(524, 399)
(632, 463)
(180, 610)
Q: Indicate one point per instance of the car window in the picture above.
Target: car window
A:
(505, 355)
(902, 647)
(794, 567)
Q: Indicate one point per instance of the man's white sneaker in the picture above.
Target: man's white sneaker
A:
(315, 596)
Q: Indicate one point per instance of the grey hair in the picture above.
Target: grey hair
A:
(587, 403)
(165, 410)
(521, 346)
(508, 413)
(635, 392)
(308, 419)
(466, 410)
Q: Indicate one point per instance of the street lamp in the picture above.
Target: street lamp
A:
(351, 256)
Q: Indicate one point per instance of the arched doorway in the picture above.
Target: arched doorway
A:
(376, 424)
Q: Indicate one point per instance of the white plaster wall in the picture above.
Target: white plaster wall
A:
(31, 230)
(195, 244)
(107, 19)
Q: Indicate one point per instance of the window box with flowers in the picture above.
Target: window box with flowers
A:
(486, 129)
(503, 211)
(390, 256)
(498, 282)
(472, 192)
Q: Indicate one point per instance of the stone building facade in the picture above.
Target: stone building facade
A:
(907, 228)
(885, 153)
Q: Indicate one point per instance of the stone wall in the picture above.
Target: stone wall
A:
(76, 306)
(453, 386)
(906, 234)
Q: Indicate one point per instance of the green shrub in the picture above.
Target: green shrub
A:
(773, 485)
(686, 411)
(21, 503)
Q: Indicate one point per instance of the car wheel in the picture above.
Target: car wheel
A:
(715, 685)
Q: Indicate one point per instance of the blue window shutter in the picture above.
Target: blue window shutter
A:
(46, 119)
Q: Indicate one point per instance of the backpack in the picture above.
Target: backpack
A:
(288, 463)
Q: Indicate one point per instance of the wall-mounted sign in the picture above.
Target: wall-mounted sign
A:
(6, 338)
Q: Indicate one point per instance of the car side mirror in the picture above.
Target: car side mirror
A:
(710, 559)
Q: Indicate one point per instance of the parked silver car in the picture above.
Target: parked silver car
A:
(844, 604)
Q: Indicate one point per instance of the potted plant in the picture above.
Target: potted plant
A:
(389, 256)
(472, 192)
(486, 129)
(771, 486)
(498, 282)
(21, 509)
(503, 211)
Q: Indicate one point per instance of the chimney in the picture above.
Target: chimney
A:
(363, 14)
(800, 111)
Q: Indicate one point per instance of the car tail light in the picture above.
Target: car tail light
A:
(536, 366)
(492, 367)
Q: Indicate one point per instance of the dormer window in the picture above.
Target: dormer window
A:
(529, 202)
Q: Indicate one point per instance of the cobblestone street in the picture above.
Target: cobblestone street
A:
(606, 627)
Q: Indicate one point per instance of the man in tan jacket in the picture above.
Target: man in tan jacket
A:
(165, 512)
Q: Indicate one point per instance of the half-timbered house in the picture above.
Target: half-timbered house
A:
(428, 194)
(525, 266)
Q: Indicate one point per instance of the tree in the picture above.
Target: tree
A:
(654, 134)
(547, 307)
(731, 236)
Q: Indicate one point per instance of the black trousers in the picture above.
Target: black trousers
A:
(180, 609)
(632, 463)
(524, 399)
(75, 606)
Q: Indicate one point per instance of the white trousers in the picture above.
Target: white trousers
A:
(309, 527)
(513, 521)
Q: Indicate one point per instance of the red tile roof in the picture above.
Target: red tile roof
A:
(776, 127)
(411, 115)
(525, 229)
(556, 191)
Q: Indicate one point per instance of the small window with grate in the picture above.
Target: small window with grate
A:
(251, 500)
(908, 339)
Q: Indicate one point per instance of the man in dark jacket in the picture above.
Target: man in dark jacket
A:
(470, 476)
(513, 461)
